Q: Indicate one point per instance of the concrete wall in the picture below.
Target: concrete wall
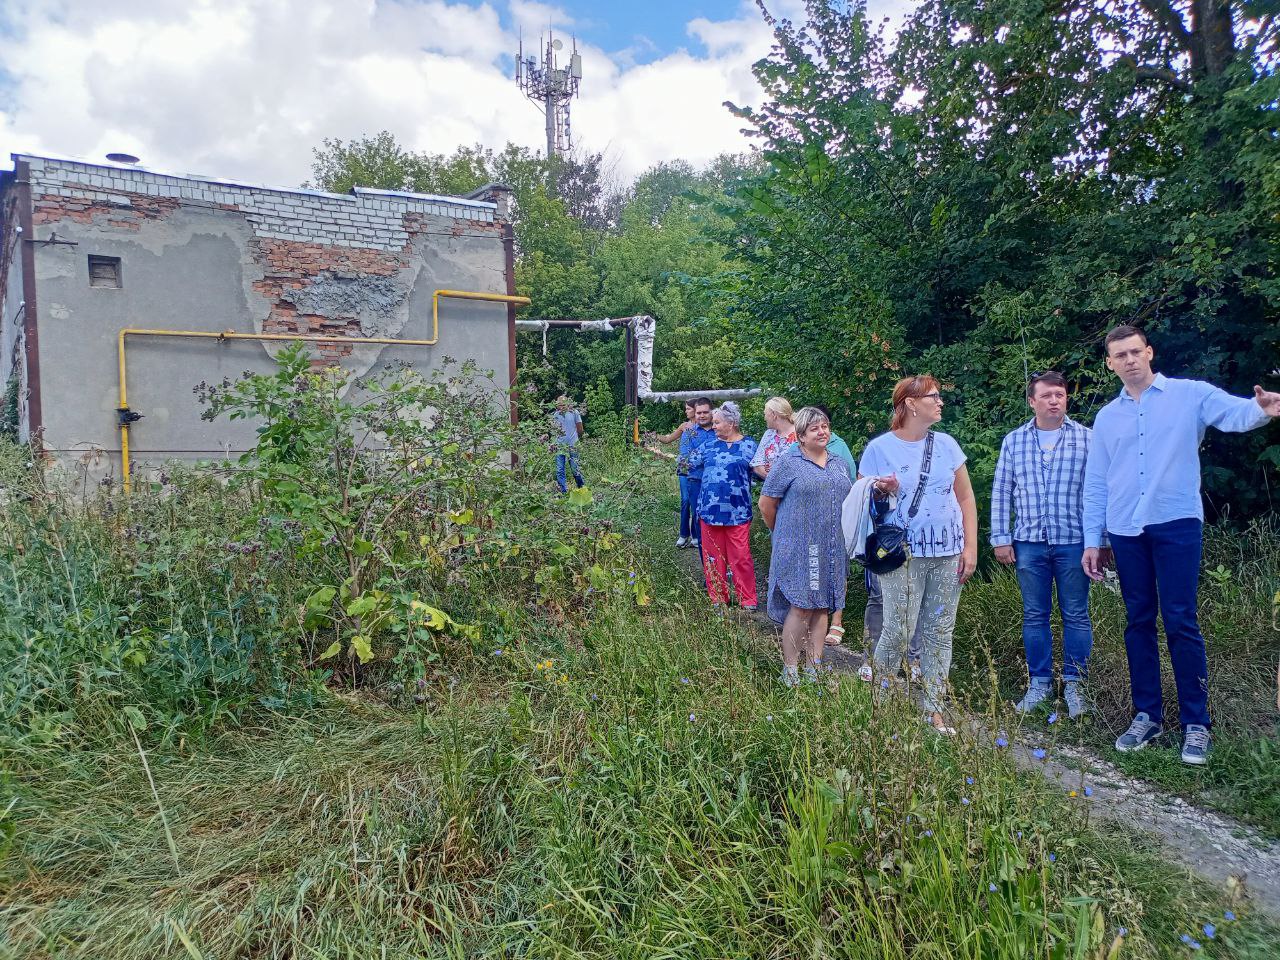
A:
(199, 255)
(13, 361)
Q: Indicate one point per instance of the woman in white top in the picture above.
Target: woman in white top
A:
(941, 521)
(780, 435)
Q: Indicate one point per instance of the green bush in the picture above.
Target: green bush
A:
(317, 556)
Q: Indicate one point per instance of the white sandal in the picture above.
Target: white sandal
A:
(946, 730)
(835, 636)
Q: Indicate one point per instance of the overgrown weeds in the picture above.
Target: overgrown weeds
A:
(601, 768)
(1238, 590)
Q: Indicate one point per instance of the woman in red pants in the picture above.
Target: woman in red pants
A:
(724, 508)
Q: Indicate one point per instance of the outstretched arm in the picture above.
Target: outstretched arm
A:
(674, 434)
(1237, 414)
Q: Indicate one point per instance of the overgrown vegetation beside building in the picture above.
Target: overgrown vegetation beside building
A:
(581, 761)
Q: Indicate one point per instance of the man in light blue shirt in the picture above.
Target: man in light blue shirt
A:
(1142, 486)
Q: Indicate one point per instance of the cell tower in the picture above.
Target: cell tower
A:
(552, 87)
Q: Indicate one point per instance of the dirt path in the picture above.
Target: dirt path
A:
(1223, 851)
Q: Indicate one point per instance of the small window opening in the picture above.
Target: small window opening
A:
(104, 272)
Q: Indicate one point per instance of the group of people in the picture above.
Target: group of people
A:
(1067, 501)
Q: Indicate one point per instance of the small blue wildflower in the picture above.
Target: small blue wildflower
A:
(884, 684)
(1039, 753)
(894, 737)
(964, 801)
(969, 781)
(769, 717)
(1088, 791)
(684, 680)
(928, 833)
(1123, 931)
(1053, 858)
(1001, 743)
(1053, 718)
(594, 697)
(1228, 916)
(991, 887)
(1210, 930)
(498, 652)
(1185, 938)
(693, 717)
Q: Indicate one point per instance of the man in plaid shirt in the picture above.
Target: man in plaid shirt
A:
(1040, 481)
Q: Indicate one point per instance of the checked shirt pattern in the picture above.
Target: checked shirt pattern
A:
(1044, 491)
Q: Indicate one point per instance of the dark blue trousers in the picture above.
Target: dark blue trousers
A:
(1160, 568)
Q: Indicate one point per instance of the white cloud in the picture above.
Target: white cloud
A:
(245, 88)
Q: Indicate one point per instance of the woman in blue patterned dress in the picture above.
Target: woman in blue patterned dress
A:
(809, 566)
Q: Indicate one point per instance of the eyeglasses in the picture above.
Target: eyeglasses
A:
(932, 396)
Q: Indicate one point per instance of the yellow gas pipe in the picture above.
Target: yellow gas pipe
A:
(305, 338)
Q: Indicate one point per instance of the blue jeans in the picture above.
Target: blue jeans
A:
(572, 457)
(1040, 566)
(688, 510)
(1161, 567)
(690, 491)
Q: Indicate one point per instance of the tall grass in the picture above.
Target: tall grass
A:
(630, 783)
(1238, 588)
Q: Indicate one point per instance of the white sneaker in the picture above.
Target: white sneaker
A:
(681, 542)
(866, 673)
(1037, 693)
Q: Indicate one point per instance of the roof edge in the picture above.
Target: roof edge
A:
(351, 197)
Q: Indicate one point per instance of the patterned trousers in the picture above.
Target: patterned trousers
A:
(924, 591)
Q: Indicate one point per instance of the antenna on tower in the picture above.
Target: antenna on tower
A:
(552, 86)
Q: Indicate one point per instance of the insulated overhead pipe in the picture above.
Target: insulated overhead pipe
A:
(126, 416)
(643, 328)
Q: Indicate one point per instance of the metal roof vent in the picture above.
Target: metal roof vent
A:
(122, 158)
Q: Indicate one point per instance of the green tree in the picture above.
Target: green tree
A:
(1005, 184)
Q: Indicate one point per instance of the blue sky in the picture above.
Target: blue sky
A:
(648, 29)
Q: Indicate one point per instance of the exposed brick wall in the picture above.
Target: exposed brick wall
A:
(300, 238)
(125, 212)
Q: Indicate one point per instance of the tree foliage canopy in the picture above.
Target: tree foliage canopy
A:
(980, 197)
(1008, 181)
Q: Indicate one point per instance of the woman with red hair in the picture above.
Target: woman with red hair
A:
(923, 471)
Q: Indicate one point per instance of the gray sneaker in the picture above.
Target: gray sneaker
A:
(1195, 745)
(811, 674)
(790, 677)
(1037, 694)
(1077, 706)
(1141, 732)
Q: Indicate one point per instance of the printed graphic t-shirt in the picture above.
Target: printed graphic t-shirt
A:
(937, 530)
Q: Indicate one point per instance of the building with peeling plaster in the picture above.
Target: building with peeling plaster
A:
(90, 249)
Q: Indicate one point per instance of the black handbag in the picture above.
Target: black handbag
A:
(887, 545)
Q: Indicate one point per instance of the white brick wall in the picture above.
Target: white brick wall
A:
(363, 220)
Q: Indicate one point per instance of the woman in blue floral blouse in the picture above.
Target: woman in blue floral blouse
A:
(724, 507)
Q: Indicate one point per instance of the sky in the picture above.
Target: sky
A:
(245, 89)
